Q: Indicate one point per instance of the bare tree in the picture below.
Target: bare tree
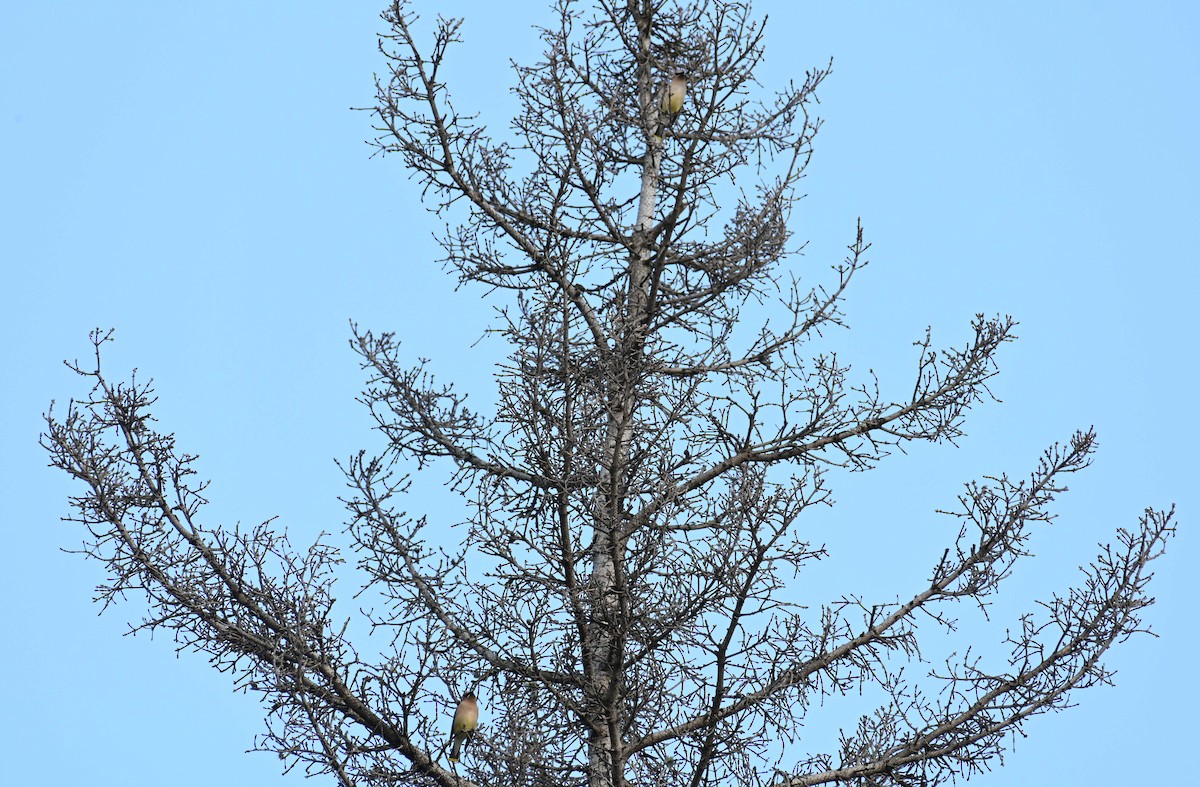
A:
(624, 597)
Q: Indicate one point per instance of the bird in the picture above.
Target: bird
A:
(466, 718)
(670, 101)
(672, 96)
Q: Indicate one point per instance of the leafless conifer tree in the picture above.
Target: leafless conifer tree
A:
(623, 599)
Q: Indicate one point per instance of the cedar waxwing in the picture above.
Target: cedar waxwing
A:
(672, 97)
(466, 717)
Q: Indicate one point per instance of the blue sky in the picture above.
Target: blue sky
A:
(191, 175)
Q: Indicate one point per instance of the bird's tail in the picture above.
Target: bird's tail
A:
(456, 749)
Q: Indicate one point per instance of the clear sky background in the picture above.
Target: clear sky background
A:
(191, 175)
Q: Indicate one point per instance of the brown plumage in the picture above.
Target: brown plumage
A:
(673, 95)
(466, 718)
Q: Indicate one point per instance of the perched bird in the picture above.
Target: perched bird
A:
(670, 101)
(672, 96)
(466, 717)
